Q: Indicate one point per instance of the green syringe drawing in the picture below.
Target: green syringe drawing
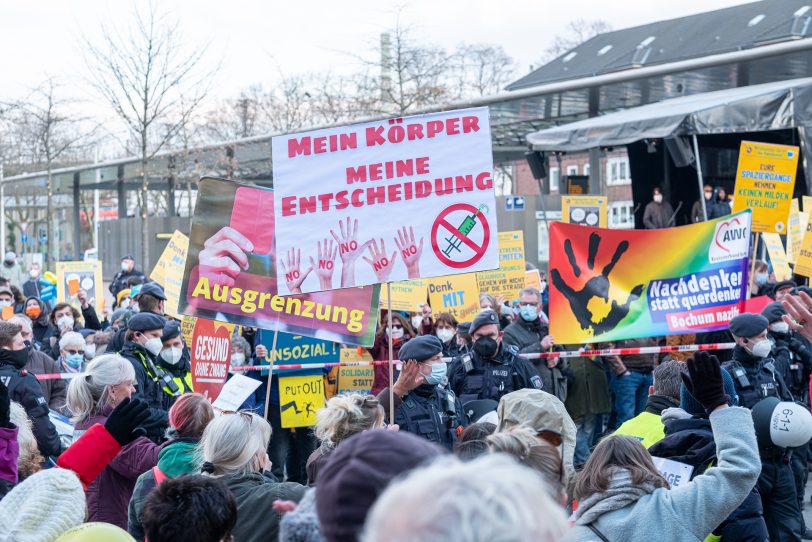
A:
(465, 228)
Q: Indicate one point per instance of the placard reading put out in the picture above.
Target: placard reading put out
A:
(300, 397)
(386, 201)
(765, 180)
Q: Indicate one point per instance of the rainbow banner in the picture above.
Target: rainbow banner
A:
(622, 284)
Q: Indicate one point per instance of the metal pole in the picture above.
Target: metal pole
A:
(2, 212)
(96, 207)
(391, 357)
(699, 177)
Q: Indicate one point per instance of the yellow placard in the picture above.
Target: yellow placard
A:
(455, 294)
(807, 200)
(300, 397)
(585, 210)
(765, 180)
(355, 379)
(508, 280)
(794, 231)
(778, 257)
(532, 279)
(84, 275)
(168, 271)
(407, 295)
(187, 327)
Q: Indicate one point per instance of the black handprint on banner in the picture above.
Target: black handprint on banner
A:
(597, 286)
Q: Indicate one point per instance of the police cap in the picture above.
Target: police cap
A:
(773, 312)
(146, 321)
(420, 348)
(783, 285)
(485, 318)
(805, 289)
(171, 330)
(154, 289)
(464, 328)
(748, 325)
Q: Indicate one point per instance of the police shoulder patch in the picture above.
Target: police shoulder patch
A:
(537, 383)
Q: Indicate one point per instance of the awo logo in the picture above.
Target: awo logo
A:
(731, 240)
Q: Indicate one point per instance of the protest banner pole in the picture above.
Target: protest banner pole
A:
(700, 179)
(270, 367)
(391, 357)
(757, 236)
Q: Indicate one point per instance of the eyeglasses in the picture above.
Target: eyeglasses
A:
(528, 304)
(74, 352)
(397, 326)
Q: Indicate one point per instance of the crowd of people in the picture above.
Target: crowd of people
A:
(500, 442)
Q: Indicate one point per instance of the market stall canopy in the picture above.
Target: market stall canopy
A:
(769, 106)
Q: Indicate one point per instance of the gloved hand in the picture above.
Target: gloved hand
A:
(704, 381)
(5, 406)
(126, 421)
(797, 346)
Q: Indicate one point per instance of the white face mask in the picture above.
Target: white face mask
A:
(237, 359)
(445, 334)
(658, 198)
(416, 321)
(154, 346)
(90, 351)
(172, 355)
(65, 321)
(397, 332)
(6, 303)
(125, 266)
(780, 327)
(761, 349)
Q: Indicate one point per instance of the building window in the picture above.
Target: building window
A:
(572, 170)
(617, 171)
(620, 215)
(555, 177)
(586, 170)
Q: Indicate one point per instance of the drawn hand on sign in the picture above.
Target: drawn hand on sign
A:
(410, 251)
(381, 265)
(326, 263)
(597, 286)
(224, 256)
(294, 277)
(349, 250)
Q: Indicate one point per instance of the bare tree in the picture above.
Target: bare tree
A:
(575, 33)
(50, 135)
(153, 84)
(481, 69)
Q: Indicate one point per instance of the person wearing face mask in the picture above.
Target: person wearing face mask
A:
(35, 309)
(423, 405)
(697, 214)
(175, 358)
(6, 298)
(127, 272)
(72, 353)
(530, 336)
(755, 377)
(658, 213)
(402, 331)
(12, 270)
(760, 279)
(153, 383)
(24, 388)
(31, 287)
(149, 297)
(492, 369)
(445, 328)
(720, 206)
(64, 318)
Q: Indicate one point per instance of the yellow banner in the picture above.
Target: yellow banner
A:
(794, 231)
(407, 295)
(778, 257)
(71, 277)
(187, 327)
(168, 271)
(807, 203)
(532, 279)
(765, 180)
(455, 294)
(585, 210)
(300, 397)
(508, 280)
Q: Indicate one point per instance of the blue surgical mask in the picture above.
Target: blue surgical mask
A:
(528, 313)
(74, 361)
(761, 278)
(438, 373)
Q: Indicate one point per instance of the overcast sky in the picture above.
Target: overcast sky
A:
(255, 39)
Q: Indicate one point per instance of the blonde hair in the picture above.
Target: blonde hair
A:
(346, 415)
(30, 460)
(234, 443)
(88, 394)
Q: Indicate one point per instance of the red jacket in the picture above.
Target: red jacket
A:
(380, 352)
(108, 496)
(90, 454)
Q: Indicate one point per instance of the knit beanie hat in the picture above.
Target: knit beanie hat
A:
(42, 507)
(695, 408)
(358, 471)
(302, 524)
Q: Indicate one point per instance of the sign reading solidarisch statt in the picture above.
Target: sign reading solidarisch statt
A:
(385, 201)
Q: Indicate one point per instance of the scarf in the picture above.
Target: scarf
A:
(621, 493)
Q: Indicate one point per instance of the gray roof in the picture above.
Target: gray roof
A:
(730, 29)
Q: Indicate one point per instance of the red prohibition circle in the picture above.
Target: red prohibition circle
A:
(440, 221)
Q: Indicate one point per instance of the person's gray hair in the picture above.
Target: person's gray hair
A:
(87, 394)
(234, 443)
(242, 343)
(530, 291)
(22, 320)
(489, 498)
(668, 379)
(71, 338)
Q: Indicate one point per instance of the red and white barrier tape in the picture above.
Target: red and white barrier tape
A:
(565, 354)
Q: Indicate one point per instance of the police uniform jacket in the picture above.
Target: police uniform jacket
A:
(471, 377)
(431, 412)
(755, 378)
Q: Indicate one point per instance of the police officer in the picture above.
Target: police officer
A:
(423, 405)
(175, 358)
(791, 352)
(24, 388)
(153, 383)
(491, 370)
(755, 378)
(151, 298)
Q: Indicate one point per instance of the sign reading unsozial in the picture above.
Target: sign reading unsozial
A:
(386, 201)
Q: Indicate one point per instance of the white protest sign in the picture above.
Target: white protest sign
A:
(235, 392)
(675, 473)
(385, 201)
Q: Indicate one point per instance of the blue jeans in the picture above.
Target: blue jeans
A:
(631, 394)
(583, 439)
